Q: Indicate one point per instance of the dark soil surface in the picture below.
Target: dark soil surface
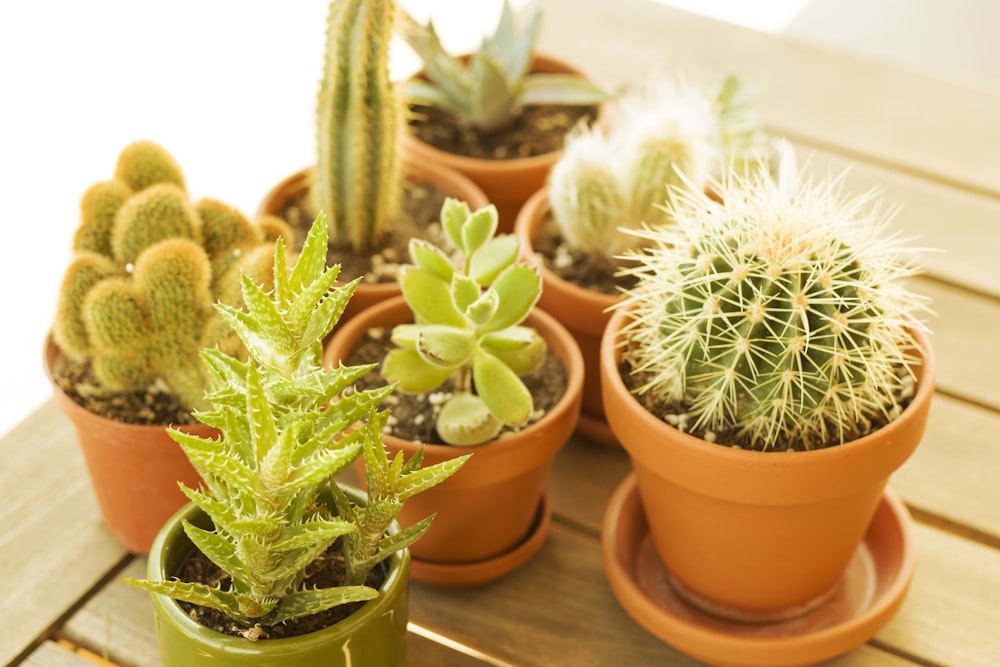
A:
(575, 266)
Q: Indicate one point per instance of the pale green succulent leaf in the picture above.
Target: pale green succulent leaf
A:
(276, 462)
(308, 602)
(428, 256)
(512, 45)
(518, 287)
(429, 297)
(263, 429)
(493, 258)
(511, 338)
(303, 304)
(561, 89)
(500, 389)
(311, 261)
(199, 594)
(282, 291)
(208, 460)
(267, 321)
(483, 309)
(220, 551)
(444, 70)
(493, 103)
(464, 291)
(308, 535)
(465, 420)
(411, 373)
(522, 359)
(326, 315)
(479, 228)
(325, 464)
(418, 91)
(454, 213)
(223, 514)
(445, 347)
(405, 335)
(420, 480)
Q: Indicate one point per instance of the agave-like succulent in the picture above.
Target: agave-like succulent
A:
(287, 430)
(776, 317)
(489, 90)
(468, 327)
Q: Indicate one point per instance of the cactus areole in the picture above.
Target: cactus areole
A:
(775, 319)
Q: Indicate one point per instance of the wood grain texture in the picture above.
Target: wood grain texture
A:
(51, 654)
(944, 128)
(53, 546)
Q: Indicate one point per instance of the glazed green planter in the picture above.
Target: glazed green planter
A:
(374, 636)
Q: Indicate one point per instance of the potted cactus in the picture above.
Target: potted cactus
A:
(619, 177)
(498, 115)
(134, 310)
(462, 338)
(374, 197)
(272, 561)
(766, 374)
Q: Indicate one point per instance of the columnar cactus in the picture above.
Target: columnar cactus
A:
(288, 427)
(668, 134)
(774, 319)
(358, 178)
(136, 301)
(468, 327)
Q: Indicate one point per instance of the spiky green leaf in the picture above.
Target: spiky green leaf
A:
(308, 602)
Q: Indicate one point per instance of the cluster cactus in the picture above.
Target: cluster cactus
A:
(488, 92)
(468, 327)
(773, 317)
(137, 298)
(287, 428)
(358, 179)
(668, 134)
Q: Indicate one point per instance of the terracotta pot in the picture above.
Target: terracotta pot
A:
(490, 506)
(134, 469)
(582, 311)
(507, 183)
(749, 535)
(373, 635)
(447, 180)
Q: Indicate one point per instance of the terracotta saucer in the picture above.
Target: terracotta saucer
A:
(467, 575)
(867, 596)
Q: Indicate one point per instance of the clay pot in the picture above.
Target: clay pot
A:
(134, 469)
(373, 635)
(582, 311)
(447, 180)
(507, 183)
(491, 514)
(756, 536)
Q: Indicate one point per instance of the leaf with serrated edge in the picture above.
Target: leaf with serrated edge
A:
(523, 359)
(311, 261)
(429, 297)
(421, 480)
(518, 287)
(302, 305)
(483, 309)
(465, 420)
(263, 430)
(430, 257)
(464, 291)
(267, 318)
(493, 258)
(219, 550)
(454, 213)
(199, 594)
(445, 347)
(306, 603)
(501, 389)
(411, 373)
(478, 229)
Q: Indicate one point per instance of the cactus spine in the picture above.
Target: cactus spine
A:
(358, 178)
(775, 319)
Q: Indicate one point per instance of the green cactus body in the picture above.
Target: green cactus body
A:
(151, 326)
(156, 214)
(142, 164)
(87, 270)
(774, 319)
(358, 177)
(98, 208)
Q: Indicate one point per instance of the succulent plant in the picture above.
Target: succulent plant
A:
(136, 299)
(468, 327)
(287, 427)
(358, 178)
(774, 318)
(668, 134)
(489, 90)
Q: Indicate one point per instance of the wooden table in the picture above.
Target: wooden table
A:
(930, 143)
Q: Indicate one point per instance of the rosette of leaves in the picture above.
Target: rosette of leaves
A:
(468, 327)
(488, 91)
(287, 427)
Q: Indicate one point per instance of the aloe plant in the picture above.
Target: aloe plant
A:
(287, 428)
(136, 299)
(489, 90)
(468, 327)
(773, 317)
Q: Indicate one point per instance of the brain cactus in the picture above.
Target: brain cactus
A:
(622, 178)
(358, 177)
(773, 320)
(136, 300)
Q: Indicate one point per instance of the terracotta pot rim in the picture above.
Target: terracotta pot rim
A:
(537, 204)
(611, 353)
(573, 364)
(397, 577)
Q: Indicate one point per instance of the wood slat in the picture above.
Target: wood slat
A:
(51, 654)
(887, 114)
(53, 546)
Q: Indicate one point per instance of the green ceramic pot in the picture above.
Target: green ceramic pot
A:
(373, 636)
